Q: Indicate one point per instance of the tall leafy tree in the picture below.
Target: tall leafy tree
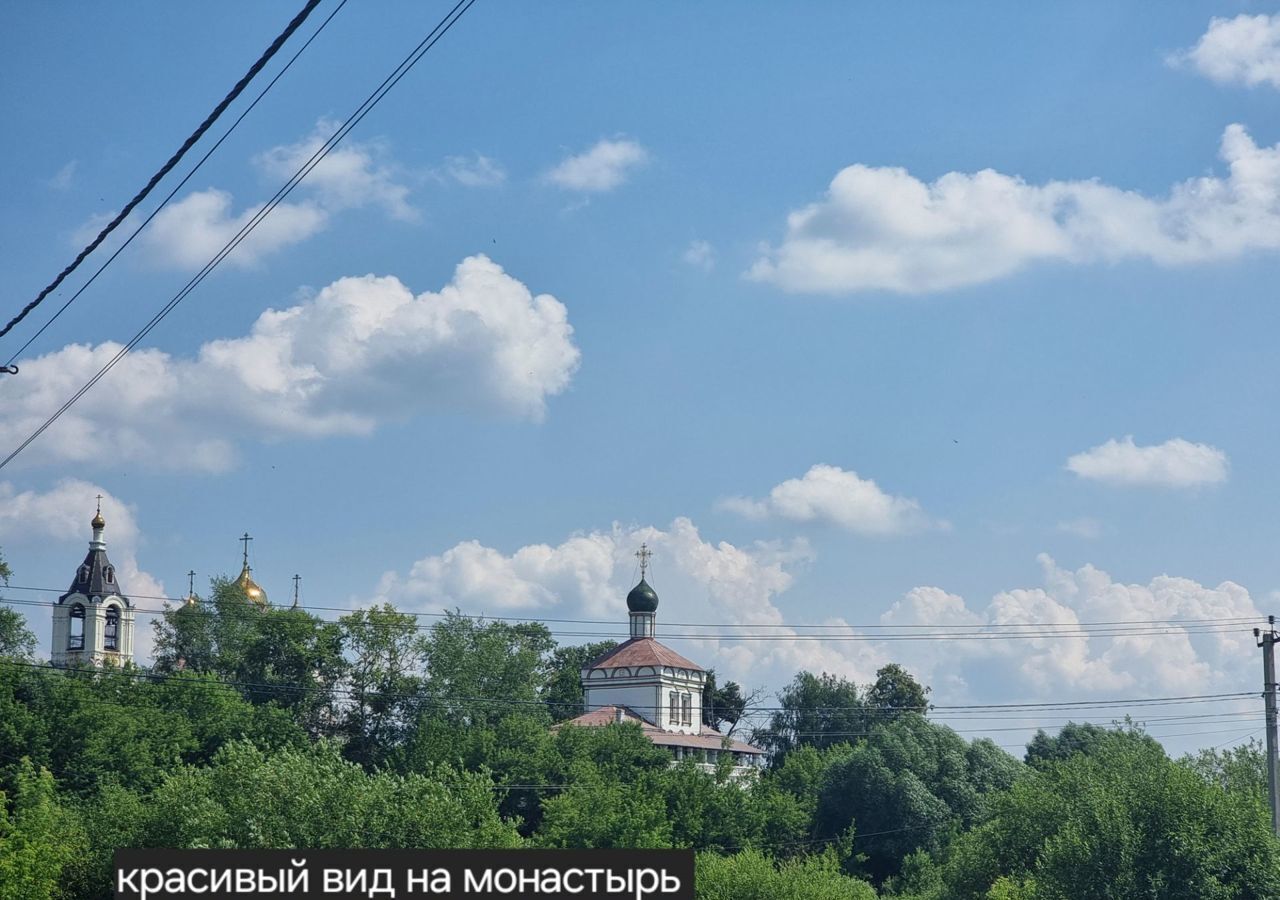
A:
(906, 787)
(895, 691)
(16, 640)
(386, 654)
(478, 671)
(1122, 821)
(40, 837)
(722, 705)
(815, 710)
(564, 677)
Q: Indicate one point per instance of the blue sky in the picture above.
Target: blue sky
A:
(871, 314)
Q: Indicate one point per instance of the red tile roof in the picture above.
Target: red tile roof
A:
(706, 739)
(642, 651)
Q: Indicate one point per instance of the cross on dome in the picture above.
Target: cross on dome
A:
(643, 554)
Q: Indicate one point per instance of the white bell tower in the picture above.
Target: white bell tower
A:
(93, 621)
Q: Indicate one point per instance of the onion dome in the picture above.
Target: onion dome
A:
(643, 598)
(98, 523)
(251, 589)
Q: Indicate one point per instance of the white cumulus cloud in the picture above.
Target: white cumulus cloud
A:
(1180, 657)
(362, 351)
(1243, 50)
(1175, 463)
(602, 168)
(882, 228)
(835, 496)
(589, 574)
(189, 232)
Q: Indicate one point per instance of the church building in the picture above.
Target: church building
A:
(93, 620)
(644, 681)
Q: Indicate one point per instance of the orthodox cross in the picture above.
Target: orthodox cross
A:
(296, 579)
(245, 540)
(643, 555)
(191, 583)
(99, 504)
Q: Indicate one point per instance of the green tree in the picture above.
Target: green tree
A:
(1237, 770)
(895, 691)
(1122, 821)
(478, 672)
(750, 875)
(283, 656)
(16, 640)
(185, 639)
(815, 710)
(315, 798)
(722, 705)
(386, 654)
(39, 837)
(906, 787)
(564, 679)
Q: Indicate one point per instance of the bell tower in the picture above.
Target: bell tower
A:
(93, 620)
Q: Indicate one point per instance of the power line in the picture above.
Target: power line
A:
(173, 160)
(354, 119)
(944, 627)
(1016, 631)
(179, 186)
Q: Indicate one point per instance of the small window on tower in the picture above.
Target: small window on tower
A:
(84, 574)
(111, 633)
(110, 575)
(75, 637)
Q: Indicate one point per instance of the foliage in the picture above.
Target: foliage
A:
(386, 655)
(1238, 770)
(750, 875)
(39, 837)
(1122, 821)
(1079, 737)
(472, 663)
(16, 640)
(907, 786)
(895, 691)
(815, 710)
(722, 705)
(273, 728)
(564, 680)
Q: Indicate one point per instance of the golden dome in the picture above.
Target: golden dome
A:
(250, 587)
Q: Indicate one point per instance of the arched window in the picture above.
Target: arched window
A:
(84, 574)
(75, 637)
(111, 632)
(111, 575)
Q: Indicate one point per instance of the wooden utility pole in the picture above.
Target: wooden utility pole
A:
(1267, 641)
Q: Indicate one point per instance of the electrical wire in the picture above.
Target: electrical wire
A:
(179, 186)
(354, 119)
(173, 160)
(996, 631)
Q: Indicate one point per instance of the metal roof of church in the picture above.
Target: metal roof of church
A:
(706, 739)
(642, 651)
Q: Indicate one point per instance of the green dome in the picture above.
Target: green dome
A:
(642, 598)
